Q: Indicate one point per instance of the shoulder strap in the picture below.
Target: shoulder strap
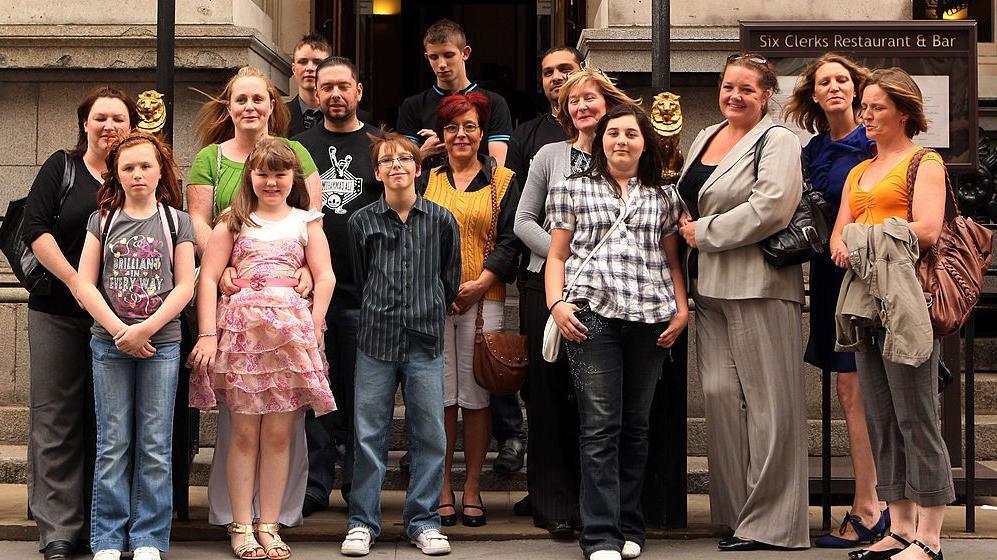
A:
(501, 177)
(68, 178)
(168, 219)
(581, 267)
(215, 180)
(106, 221)
(761, 144)
(951, 206)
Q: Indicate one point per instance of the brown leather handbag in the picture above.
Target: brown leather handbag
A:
(499, 358)
(951, 272)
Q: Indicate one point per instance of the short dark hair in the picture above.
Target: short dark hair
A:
(313, 40)
(579, 57)
(83, 112)
(445, 31)
(338, 61)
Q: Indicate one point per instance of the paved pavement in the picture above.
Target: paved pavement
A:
(963, 549)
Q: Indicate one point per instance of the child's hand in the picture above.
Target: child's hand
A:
(227, 282)
(320, 338)
(134, 340)
(305, 282)
(202, 357)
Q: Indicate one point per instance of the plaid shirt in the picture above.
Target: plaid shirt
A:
(629, 278)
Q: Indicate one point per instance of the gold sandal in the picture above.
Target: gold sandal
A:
(249, 543)
(275, 541)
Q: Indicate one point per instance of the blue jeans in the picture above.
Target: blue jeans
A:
(133, 476)
(422, 389)
(325, 433)
(615, 371)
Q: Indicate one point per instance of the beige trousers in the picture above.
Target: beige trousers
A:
(750, 356)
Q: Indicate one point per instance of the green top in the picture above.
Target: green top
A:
(204, 170)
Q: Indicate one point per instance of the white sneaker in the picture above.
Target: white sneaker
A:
(146, 553)
(630, 550)
(432, 542)
(107, 554)
(605, 555)
(357, 542)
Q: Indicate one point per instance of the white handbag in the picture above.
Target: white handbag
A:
(552, 334)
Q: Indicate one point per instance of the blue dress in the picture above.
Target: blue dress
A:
(828, 164)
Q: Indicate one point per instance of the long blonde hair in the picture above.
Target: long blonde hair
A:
(614, 96)
(213, 123)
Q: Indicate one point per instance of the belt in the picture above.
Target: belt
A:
(259, 281)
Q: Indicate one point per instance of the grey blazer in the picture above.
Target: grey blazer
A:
(737, 211)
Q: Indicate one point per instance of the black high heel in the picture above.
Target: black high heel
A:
(864, 554)
(449, 520)
(931, 554)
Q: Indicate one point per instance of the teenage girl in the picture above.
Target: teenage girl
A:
(258, 350)
(136, 274)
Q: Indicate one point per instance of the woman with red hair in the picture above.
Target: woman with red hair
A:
(470, 186)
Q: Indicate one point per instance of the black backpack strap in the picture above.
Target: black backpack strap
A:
(68, 178)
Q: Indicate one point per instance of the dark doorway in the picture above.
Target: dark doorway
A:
(506, 39)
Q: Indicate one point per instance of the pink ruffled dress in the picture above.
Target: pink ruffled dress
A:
(268, 358)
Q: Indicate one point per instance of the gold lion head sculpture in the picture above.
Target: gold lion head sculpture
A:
(666, 117)
(152, 111)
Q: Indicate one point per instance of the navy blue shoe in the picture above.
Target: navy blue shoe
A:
(836, 540)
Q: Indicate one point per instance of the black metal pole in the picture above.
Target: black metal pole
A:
(970, 391)
(661, 67)
(825, 450)
(165, 50)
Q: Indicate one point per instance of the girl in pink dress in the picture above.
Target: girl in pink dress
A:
(259, 350)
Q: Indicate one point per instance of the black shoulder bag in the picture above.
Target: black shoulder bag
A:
(29, 272)
(808, 231)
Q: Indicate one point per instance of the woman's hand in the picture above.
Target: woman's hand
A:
(202, 357)
(227, 282)
(687, 229)
(839, 252)
(134, 341)
(571, 328)
(468, 294)
(305, 282)
(675, 327)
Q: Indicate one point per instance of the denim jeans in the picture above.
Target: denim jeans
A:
(614, 371)
(422, 389)
(133, 476)
(325, 433)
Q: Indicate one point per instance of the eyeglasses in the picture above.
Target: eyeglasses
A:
(390, 162)
(757, 59)
(469, 128)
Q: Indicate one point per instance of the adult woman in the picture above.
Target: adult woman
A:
(612, 228)
(62, 429)
(466, 184)
(825, 103)
(552, 441)
(901, 401)
(755, 417)
(248, 110)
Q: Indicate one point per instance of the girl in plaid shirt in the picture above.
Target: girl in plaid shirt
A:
(626, 309)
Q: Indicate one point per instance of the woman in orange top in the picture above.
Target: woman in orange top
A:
(901, 401)
(463, 185)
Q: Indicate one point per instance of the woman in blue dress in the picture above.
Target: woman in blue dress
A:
(824, 102)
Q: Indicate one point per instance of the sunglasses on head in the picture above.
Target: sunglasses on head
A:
(757, 59)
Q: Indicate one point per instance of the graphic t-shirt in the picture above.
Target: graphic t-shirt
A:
(138, 270)
(348, 184)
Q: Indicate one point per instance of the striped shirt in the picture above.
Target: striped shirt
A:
(629, 278)
(408, 274)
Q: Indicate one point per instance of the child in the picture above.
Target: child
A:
(263, 361)
(137, 273)
(406, 254)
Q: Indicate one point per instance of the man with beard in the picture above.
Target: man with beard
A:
(340, 147)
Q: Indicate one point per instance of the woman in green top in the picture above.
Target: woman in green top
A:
(248, 110)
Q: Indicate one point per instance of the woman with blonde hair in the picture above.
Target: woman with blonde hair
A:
(901, 400)
(552, 442)
(247, 110)
(825, 103)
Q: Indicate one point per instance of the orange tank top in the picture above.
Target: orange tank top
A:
(887, 198)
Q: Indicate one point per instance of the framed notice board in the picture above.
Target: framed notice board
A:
(940, 55)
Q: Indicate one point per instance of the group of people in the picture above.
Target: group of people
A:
(340, 263)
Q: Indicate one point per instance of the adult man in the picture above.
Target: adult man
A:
(310, 51)
(341, 150)
(447, 52)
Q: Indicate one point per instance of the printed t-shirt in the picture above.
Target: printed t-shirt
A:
(137, 270)
(348, 184)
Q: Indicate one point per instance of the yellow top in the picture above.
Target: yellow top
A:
(887, 198)
(473, 212)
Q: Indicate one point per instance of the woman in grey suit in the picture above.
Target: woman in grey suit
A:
(748, 313)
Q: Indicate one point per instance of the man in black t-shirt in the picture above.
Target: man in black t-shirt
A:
(341, 150)
(310, 51)
(447, 52)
